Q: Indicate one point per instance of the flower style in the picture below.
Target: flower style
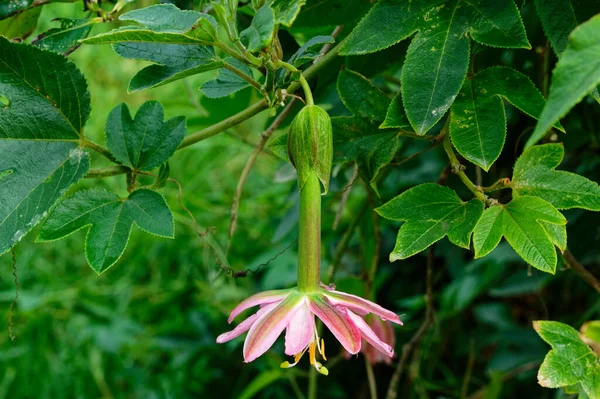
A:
(294, 311)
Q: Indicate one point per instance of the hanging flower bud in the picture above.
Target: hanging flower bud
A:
(310, 145)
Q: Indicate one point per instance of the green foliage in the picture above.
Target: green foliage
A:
(41, 124)
(163, 307)
(570, 363)
(171, 38)
(576, 74)
(110, 218)
(65, 38)
(431, 212)
(395, 116)
(523, 222)
(286, 11)
(226, 82)
(9, 7)
(437, 59)
(359, 138)
(535, 174)
(145, 142)
(478, 121)
(20, 26)
(162, 23)
(260, 32)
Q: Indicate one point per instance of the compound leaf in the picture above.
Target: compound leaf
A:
(145, 142)
(430, 212)
(535, 174)
(438, 56)
(110, 218)
(522, 223)
(478, 124)
(570, 362)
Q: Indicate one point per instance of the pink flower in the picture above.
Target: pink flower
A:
(385, 332)
(295, 312)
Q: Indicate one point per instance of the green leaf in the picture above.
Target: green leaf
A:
(65, 38)
(279, 145)
(591, 330)
(535, 174)
(21, 25)
(358, 140)
(321, 13)
(521, 222)
(570, 361)
(286, 11)
(173, 62)
(576, 74)
(174, 39)
(163, 23)
(437, 59)
(560, 17)
(11, 7)
(478, 124)
(360, 96)
(260, 32)
(395, 115)
(431, 212)
(310, 50)
(163, 18)
(145, 142)
(226, 82)
(558, 20)
(110, 218)
(46, 104)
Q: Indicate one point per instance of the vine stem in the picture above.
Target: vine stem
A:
(250, 163)
(458, 169)
(409, 347)
(581, 271)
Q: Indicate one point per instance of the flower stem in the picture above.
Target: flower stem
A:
(309, 240)
(303, 82)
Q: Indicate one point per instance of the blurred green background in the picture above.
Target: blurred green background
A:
(146, 328)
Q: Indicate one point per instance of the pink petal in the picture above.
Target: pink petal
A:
(361, 306)
(269, 326)
(244, 325)
(262, 298)
(300, 331)
(338, 323)
(369, 335)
